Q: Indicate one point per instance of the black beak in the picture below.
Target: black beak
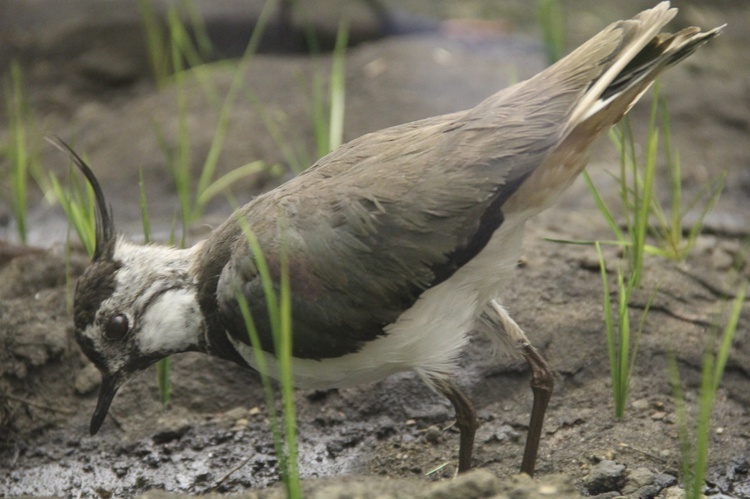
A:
(110, 385)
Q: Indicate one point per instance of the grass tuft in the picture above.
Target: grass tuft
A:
(620, 347)
(694, 444)
(639, 205)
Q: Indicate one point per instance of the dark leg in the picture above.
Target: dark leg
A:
(542, 378)
(542, 382)
(466, 420)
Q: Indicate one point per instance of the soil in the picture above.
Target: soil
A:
(88, 82)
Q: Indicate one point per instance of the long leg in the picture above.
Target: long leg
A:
(542, 380)
(466, 419)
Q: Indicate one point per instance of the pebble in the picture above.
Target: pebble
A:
(87, 380)
(640, 404)
(638, 478)
(240, 425)
(674, 493)
(170, 429)
(664, 480)
(606, 476)
(236, 413)
(433, 435)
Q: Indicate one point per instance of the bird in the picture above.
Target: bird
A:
(393, 247)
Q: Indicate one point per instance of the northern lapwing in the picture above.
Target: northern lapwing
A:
(397, 243)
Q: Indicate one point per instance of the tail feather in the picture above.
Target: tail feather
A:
(636, 34)
(661, 51)
(603, 78)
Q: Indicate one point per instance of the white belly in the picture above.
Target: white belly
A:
(428, 337)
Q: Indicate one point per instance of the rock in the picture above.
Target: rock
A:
(482, 483)
(478, 483)
(674, 493)
(664, 480)
(236, 413)
(606, 476)
(170, 429)
(640, 404)
(638, 478)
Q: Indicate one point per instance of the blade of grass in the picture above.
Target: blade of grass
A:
(551, 17)
(337, 87)
(683, 426)
(20, 150)
(695, 450)
(225, 181)
(217, 143)
(144, 208)
(608, 323)
(79, 209)
(280, 315)
(156, 42)
(605, 211)
(162, 367)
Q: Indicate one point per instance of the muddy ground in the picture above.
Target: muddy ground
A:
(89, 82)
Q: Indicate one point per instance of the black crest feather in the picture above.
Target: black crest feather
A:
(105, 229)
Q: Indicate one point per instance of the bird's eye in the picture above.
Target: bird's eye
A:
(116, 327)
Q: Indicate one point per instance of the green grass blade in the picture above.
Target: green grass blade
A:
(217, 143)
(675, 177)
(279, 309)
(144, 208)
(260, 361)
(156, 42)
(586, 242)
(79, 210)
(623, 347)
(263, 270)
(17, 150)
(162, 377)
(605, 211)
(608, 322)
(686, 446)
(728, 335)
(337, 87)
(551, 17)
(641, 325)
(284, 354)
(225, 181)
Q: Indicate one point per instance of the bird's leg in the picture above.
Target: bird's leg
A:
(466, 419)
(542, 383)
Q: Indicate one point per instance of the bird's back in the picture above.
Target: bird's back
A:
(374, 224)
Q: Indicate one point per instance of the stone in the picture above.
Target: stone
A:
(87, 380)
(606, 476)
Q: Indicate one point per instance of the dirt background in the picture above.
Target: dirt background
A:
(88, 81)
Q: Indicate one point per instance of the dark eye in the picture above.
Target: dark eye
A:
(116, 327)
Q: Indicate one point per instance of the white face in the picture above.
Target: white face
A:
(133, 310)
(136, 309)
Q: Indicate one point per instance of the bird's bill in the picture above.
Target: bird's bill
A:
(110, 384)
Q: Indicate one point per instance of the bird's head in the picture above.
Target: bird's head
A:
(133, 305)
